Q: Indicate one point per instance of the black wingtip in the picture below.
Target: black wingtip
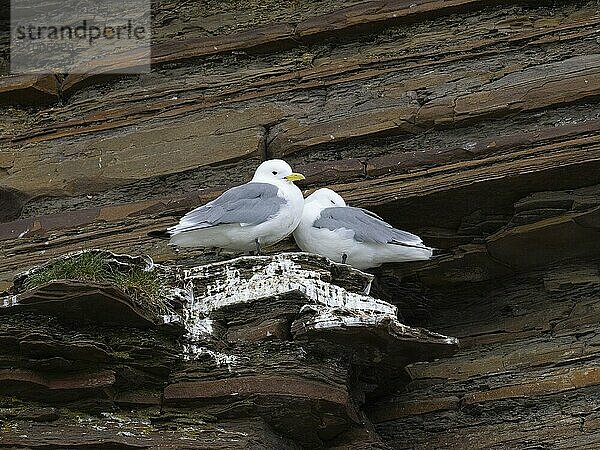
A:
(438, 252)
(160, 234)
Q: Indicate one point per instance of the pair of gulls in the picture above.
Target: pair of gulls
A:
(271, 207)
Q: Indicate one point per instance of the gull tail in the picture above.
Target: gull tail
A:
(160, 234)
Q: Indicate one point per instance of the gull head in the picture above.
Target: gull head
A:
(275, 170)
(325, 198)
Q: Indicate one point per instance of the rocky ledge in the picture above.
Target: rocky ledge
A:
(282, 351)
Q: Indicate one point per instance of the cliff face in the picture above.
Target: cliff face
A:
(472, 123)
(282, 351)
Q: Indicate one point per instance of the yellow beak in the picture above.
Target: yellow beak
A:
(295, 177)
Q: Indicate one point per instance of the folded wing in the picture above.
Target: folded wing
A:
(366, 226)
(248, 204)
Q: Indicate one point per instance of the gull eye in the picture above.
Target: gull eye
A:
(332, 202)
(274, 172)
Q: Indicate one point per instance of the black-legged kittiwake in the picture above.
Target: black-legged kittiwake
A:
(247, 217)
(353, 236)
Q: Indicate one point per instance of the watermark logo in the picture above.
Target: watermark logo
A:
(80, 36)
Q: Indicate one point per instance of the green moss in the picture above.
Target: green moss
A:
(144, 287)
(141, 285)
(86, 266)
(121, 355)
(7, 427)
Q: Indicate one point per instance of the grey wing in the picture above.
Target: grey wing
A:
(248, 204)
(367, 226)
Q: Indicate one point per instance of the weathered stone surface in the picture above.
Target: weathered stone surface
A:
(11, 204)
(32, 385)
(388, 95)
(29, 89)
(114, 430)
(91, 164)
(529, 355)
(472, 123)
(208, 350)
(78, 302)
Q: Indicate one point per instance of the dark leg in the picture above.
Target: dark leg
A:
(344, 258)
(258, 253)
